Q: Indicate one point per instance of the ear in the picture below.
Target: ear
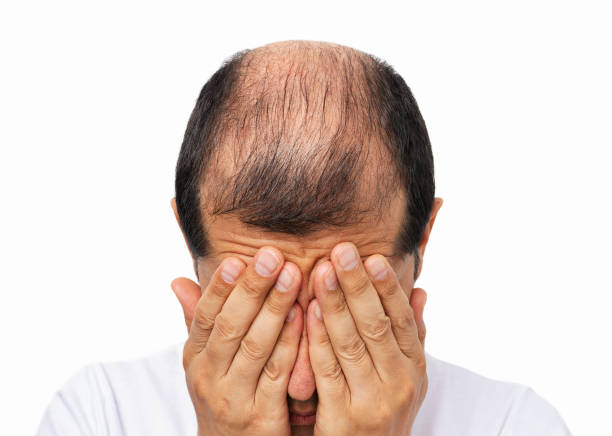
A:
(178, 221)
(432, 218)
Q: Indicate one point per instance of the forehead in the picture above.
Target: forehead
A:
(228, 236)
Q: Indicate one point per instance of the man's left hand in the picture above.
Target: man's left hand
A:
(365, 347)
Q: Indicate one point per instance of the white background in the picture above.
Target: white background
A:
(94, 100)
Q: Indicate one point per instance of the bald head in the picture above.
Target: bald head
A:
(296, 136)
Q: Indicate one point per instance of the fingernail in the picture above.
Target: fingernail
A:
(266, 263)
(284, 280)
(331, 281)
(231, 271)
(377, 268)
(318, 311)
(347, 258)
(291, 315)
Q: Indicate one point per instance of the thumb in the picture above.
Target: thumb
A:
(188, 294)
(418, 298)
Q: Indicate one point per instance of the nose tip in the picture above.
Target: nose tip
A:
(302, 383)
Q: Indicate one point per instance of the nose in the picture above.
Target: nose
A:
(302, 382)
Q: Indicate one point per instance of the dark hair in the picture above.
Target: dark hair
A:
(278, 186)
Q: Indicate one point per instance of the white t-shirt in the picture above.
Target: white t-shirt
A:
(149, 397)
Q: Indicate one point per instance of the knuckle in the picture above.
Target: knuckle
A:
(259, 424)
(200, 388)
(377, 329)
(410, 312)
(220, 404)
(226, 329)
(337, 305)
(406, 394)
(322, 340)
(387, 290)
(223, 410)
(360, 285)
(275, 304)
(251, 349)
(285, 340)
(353, 349)
(374, 419)
(423, 333)
(251, 287)
(273, 370)
(186, 355)
(420, 364)
(381, 418)
(402, 322)
(186, 362)
(203, 320)
(331, 371)
(219, 290)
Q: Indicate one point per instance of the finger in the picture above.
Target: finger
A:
(418, 298)
(274, 379)
(348, 345)
(188, 293)
(241, 307)
(395, 303)
(210, 304)
(256, 346)
(329, 378)
(362, 298)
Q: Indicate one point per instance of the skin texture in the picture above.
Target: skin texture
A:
(309, 354)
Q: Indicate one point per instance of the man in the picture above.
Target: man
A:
(305, 193)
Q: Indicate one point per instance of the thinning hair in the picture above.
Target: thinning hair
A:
(299, 136)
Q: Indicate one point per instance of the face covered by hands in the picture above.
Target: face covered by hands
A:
(364, 346)
(368, 339)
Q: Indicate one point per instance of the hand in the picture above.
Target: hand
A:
(242, 346)
(365, 350)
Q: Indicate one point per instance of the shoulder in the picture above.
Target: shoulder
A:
(459, 401)
(140, 396)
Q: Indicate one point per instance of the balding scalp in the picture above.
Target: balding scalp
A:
(297, 136)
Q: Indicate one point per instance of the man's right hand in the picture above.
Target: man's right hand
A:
(242, 346)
